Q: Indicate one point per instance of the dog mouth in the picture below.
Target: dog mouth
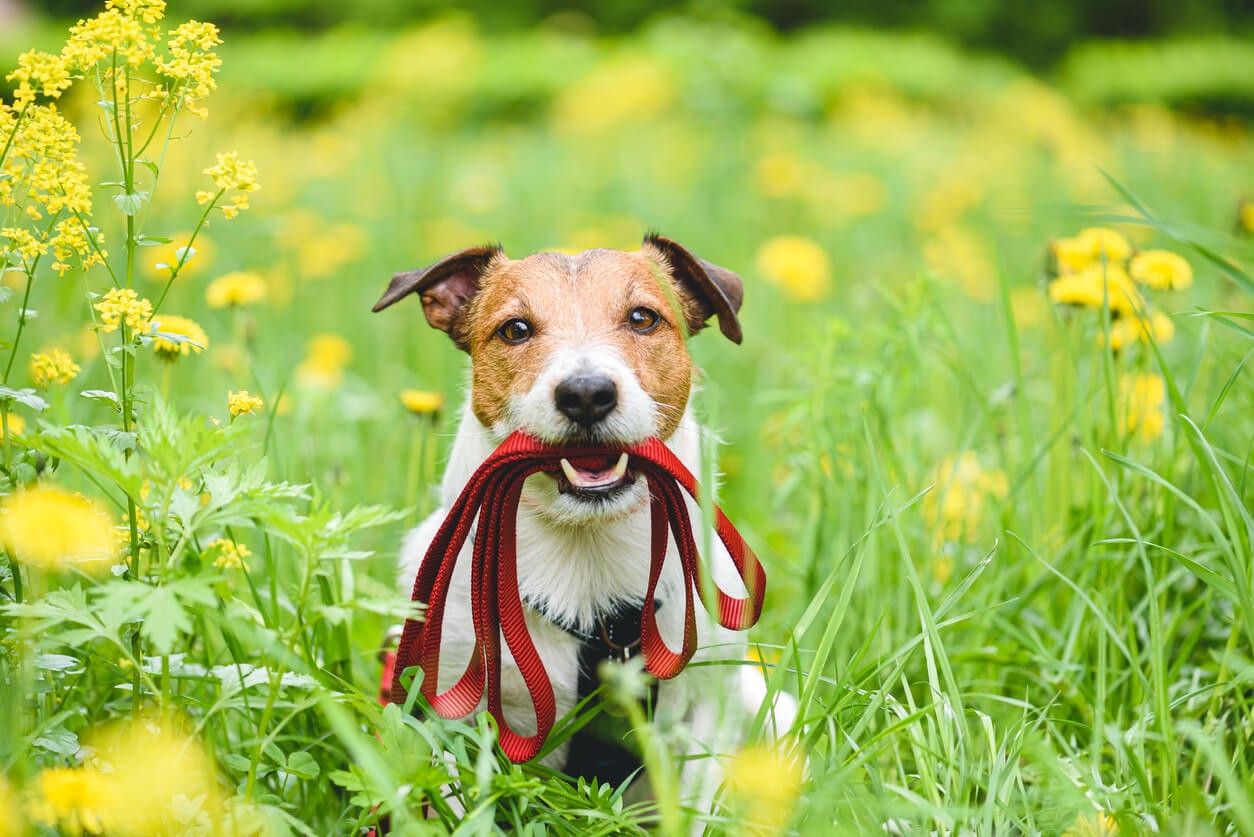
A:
(594, 478)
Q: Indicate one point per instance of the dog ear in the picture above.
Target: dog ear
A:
(443, 287)
(715, 290)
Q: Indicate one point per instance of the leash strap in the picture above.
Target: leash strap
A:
(492, 495)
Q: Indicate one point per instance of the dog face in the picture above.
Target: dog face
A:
(578, 349)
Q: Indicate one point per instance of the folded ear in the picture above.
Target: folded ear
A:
(715, 290)
(444, 287)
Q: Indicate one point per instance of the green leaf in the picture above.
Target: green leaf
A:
(302, 765)
(102, 395)
(150, 165)
(131, 202)
(58, 740)
(23, 396)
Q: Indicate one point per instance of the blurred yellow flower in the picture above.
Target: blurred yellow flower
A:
(780, 175)
(11, 824)
(1245, 215)
(1090, 247)
(1099, 824)
(165, 257)
(959, 253)
(17, 424)
(326, 357)
(242, 404)
(170, 350)
(123, 305)
(53, 367)
(74, 800)
(158, 776)
(1161, 270)
(1141, 398)
(1130, 329)
(236, 289)
(421, 402)
(1089, 286)
(797, 265)
(631, 88)
(1027, 306)
(49, 527)
(955, 505)
(231, 555)
(764, 782)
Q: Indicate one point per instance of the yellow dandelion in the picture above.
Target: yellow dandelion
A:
(1099, 824)
(764, 782)
(189, 259)
(236, 290)
(1161, 270)
(11, 824)
(325, 359)
(421, 402)
(1131, 329)
(195, 340)
(50, 527)
(963, 487)
(123, 306)
(1090, 247)
(53, 367)
(1141, 400)
(797, 265)
(242, 404)
(231, 555)
(17, 424)
(1088, 287)
(73, 800)
(780, 175)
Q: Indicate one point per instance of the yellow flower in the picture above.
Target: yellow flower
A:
(955, 505)
(11, 824)
(230, 174)
(54, 367)
(1161, 270)
(158, 776)
(72, 799)
(1089, 248)
(1089, 286)
(1245, 216)
(231, 555)
(38, 73)
(323, 367)
(17, 424)
(1099, 824)
(180, 253)
(422, 403)
(1130, 329)
(169, 350)
(765, 782)
(242, 404)
(49, 527)
(191, 64)
(780, 175)
(630, 88)
(798, 265)
(236, 289)
(1141, 399)
(123, 305)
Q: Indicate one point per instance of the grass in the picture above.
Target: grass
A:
(1070, 651)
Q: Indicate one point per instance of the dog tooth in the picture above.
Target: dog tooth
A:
(571, 474)
(620, 469)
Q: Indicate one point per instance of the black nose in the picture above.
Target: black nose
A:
(586, 399)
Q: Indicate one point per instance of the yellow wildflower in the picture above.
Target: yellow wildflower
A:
(242, 404)
(1089, 286)
(422, 403)
(323, 367)
(1245, 216)
(1089, 248)
(780, 175)
(1099, 824)
(11, 824)
(17, 424)
(111, 33)
(50, 527)
(38, 73)
(798, 265)
(71, 799)
(1161, 270)
(630, 88)
(956, 503)
(191, 64)
(236, 289)
(1130, 329)
(230, 174)
(1141, 400)
(149, 11)
(54, 367)
(231, 555)
(169, 350)
(123, 305)
(764, 782)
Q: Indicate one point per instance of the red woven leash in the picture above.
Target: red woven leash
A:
(496, 604)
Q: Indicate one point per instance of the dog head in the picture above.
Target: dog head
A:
(587, 348)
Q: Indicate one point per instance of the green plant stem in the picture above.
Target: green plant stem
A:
(16, 569)
(174, 271)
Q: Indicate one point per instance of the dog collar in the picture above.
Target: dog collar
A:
(492, 495)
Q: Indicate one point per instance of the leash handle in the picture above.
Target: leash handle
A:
(492, 496)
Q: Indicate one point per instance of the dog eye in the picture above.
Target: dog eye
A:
(643, 320)
(515, 331)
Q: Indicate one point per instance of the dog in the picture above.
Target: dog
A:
(589, 348)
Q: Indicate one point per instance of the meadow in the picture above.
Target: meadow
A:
(990, 429)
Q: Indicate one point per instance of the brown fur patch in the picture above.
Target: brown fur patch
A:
(573, 300)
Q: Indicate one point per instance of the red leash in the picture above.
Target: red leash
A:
(496, 604)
